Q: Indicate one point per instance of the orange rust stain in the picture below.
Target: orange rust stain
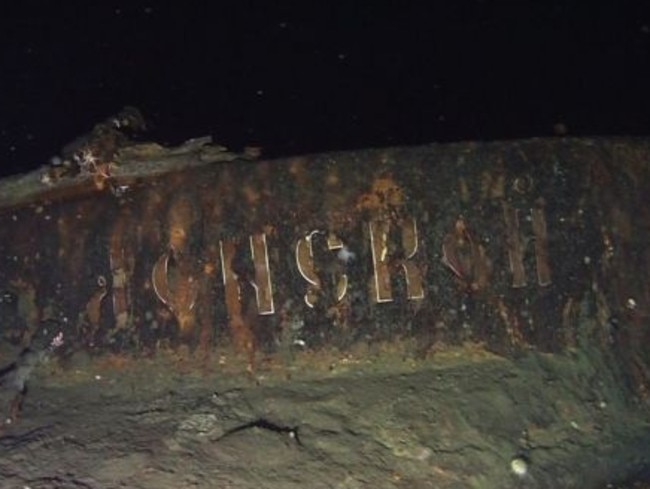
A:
(570, 317)
(212, 212)
(112, 361)
(251, 195)
(185, 298)
(493, 184)
(240, 329)
(173, 276)
(181, 218)
(299, 172)
(149, 228)
(102, 174)
(332, 179)
(122, 263)
(466, 258)
(93, 307)
(242, 334)
(209, 269)
(177, 238)
(385, 193)
(186, 319)
(511, 323)
(340, 314)
(178, 289)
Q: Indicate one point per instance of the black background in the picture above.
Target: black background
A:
(315, 76)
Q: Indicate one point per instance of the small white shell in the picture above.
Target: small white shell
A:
(519, 466)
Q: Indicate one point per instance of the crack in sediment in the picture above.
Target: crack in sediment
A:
(264, 424)
(11, 442)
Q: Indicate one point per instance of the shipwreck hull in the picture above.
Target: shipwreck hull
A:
(505, 244)
(476, 314)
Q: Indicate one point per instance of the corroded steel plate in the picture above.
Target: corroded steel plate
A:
(535, 244)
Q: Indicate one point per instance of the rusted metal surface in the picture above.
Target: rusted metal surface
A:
(536, 244)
